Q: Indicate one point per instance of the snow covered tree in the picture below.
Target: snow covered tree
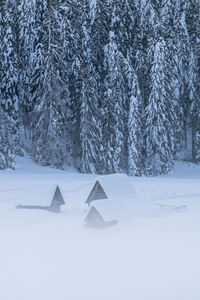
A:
(90, 129)
(159, 131)
(114, 109)
(139, 48)
(181, 51)
(48, 115)
(194, 93)
(132, 106)
(72, 50)
(193, 26)
(171, 28)
(7, 150)
(123, 101)
(39, 51)
(100, 16)
(105, 86)
(135, 127)
(69, 28)
(123, 22)
(9, 71)
(27, 38)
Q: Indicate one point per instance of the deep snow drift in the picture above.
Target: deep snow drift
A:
(151, 254)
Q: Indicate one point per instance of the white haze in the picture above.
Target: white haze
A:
(151, 254)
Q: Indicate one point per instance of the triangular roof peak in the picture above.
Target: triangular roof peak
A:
(97, 193)
(93, 216)
(57, 198)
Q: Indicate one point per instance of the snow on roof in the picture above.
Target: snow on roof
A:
(39, 194)
(97, 193)
(122, 200)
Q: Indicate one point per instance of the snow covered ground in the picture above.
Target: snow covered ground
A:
(151, 254)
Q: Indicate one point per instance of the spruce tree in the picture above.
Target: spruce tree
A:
(7, 149)
(123, 23)
(159, 132)
(90, 131)
(72, 50)
(135, 127)
(26, 42)
(181, 43)
(48, 116)
(193, 25)
(9, 72)
(114, 110)
(194, 93)
(100, 16)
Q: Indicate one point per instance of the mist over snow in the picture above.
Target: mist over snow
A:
(97, 98)
(151, 253)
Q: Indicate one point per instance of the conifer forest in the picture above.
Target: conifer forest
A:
(104, 86)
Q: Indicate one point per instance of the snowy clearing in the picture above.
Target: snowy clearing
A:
(151, 254)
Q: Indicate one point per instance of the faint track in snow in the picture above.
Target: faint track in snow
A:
(12, 190)
(24, 188)
(180, 207)
(180, 196)
(10, 199)
(77, 189)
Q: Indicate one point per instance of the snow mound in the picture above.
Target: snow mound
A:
(38, 194)
(123, 200)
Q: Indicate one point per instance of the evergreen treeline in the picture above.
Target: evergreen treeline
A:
(103, 85)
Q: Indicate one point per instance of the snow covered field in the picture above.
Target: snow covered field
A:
(151, 254)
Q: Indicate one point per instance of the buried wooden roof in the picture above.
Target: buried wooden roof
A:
(93, 215)
(124, 201)
(95, 220)
(57, 198)
(97, 193)
(42, 194)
